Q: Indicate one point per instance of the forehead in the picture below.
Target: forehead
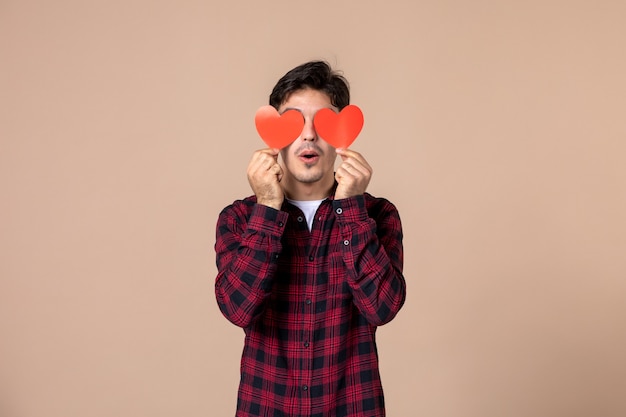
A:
(307, 98)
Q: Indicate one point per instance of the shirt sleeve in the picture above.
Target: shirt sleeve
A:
(247, 250)
(372, 251)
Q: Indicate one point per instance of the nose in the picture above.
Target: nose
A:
(308, 131)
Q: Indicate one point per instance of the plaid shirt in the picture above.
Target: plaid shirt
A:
(310, 302)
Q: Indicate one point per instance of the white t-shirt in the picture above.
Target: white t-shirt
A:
(308, 207)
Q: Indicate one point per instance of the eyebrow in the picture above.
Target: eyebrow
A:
(291, 108)
(300, 111)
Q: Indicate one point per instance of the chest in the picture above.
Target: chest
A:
(312, 260)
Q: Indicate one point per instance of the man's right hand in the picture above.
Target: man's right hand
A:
(264, 175)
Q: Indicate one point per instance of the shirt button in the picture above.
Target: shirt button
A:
(311, 258)
(305, 387)
(308, 301)
(346, 242)
(300, 219)
(306, 344)
(339, 210)
(281, 224)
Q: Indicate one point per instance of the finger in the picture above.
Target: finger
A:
(275, 169)
(263, 159)
(356, 168)
(257, 163)
(269, 165)
(272, 155)
(279, 174)
(254, 164)
(278, 171)
(347, 173)
(269, 151)
(347, 155)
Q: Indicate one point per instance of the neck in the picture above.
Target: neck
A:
(303, 191)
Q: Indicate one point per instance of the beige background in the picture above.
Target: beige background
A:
(496, 127)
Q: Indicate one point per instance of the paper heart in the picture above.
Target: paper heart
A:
(339, 129)
(278, 130)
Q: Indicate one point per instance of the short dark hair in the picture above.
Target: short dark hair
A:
(317, 75)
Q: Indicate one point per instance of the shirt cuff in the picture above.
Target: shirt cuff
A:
(351, 209)
(267, 220)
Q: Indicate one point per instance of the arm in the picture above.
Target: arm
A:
(372, 247)
(246, 257)
(248, 243)
(373, 257)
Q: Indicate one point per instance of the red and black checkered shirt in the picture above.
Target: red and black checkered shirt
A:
(310, 302)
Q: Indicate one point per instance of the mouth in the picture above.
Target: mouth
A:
(308, 156)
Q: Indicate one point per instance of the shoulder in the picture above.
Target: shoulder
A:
(243, 204)
(247, 210)
(386, 216)
(378, 205)
(239, 209)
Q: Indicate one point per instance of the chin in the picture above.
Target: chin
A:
(308, 174)
(309, 178)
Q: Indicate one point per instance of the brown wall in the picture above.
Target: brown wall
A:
(496, 127)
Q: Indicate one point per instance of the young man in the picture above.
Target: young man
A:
(309, 266)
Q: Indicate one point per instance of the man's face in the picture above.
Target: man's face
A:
(309, 158)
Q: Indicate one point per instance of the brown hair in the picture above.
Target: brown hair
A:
(317, 75)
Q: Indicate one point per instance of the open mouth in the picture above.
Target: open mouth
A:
(309, 156)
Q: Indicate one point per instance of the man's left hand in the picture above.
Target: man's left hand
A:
(353, 175)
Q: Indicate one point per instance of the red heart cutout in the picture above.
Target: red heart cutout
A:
(278, 130)
(339, 129)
